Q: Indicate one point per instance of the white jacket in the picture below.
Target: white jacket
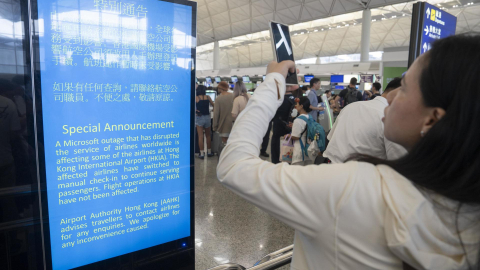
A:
(345, 216)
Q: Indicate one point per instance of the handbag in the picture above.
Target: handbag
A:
(286, 149)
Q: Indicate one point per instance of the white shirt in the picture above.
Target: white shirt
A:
(359, 130)
(298, 127)
(346, 216)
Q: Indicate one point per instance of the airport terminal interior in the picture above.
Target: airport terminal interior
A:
(144, 134)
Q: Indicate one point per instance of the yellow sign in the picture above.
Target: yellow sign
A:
(432, 17)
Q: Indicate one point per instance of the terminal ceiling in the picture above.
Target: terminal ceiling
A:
(241, 27)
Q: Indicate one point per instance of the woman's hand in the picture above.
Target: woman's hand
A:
(283, 67)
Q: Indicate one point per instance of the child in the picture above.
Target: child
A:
(299, 132)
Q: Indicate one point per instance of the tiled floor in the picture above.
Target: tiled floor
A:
(228, 228)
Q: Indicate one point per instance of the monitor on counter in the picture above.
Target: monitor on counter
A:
(218, 79)
(264, 76)
(234, 79)
(212, 94)
(208, 80)
(246, 79)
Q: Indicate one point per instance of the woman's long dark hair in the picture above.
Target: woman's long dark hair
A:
(201, 90)
(447, 159)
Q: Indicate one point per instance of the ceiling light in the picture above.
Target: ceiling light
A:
(295, 34)
(403, 15)
(322, 29)
(374, 20)
(301, 33)
(329, 28)
(354, 23)
(316, 30)
(393, 17)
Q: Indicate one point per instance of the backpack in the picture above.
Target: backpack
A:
(315, 132)
(351, 96)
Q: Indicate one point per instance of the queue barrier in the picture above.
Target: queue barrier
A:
(271, 261)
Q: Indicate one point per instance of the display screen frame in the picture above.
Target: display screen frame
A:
(162, 254)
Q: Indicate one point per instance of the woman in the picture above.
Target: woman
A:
(302, 105)
(202, 120)
(222, 115)
(421, 210)
(241, 98)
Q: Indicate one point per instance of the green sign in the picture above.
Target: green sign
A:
(389, 73)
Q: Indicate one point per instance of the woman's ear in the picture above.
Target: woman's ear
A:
(434, 115)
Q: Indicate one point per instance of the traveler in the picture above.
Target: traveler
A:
(299, 128)
(421, 210)
(312, 96)
(282, 123)
(222, 113)
(328, 93)
(375, 92)
(349, 94)
(359, 130)
(203, 120)
(241, 98)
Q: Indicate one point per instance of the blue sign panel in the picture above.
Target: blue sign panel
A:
(336, 79)
(308, 78)
(437, 24)
(116, 81)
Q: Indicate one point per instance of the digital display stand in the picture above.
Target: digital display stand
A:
(429, 23)
(113, 80)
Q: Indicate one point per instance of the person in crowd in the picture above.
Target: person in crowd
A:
(222, 113)
(312, 96)
(375, 91)
(328, 93)
(302, 105)
(349, 95)
(421, 210)
(203, 120)
(359, 130)
(241, 98)
(282, 124)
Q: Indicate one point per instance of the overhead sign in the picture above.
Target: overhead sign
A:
(437, 24)
(116, 81)
(366, 78)
(429, 23)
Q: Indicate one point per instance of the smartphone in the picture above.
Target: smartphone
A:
(282, 47)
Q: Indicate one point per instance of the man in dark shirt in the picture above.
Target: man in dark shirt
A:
(375, 91)
(281, 123)
(350, 88)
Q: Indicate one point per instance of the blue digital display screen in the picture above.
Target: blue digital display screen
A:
(336, 79)
(234, 79)
(116, 78)
(308, 78)
(437, 24)
(339, 87)
(208, 79)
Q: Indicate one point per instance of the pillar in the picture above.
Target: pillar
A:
(216, 55)
(365, 42)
